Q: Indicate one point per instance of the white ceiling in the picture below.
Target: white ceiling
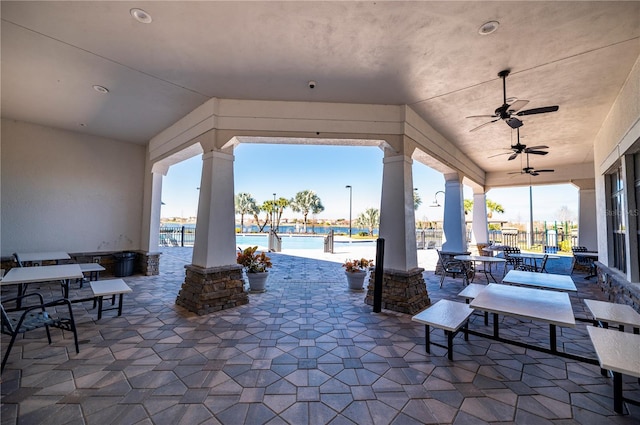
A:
(428, 55)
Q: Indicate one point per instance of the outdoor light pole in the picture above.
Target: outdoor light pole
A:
(435, 199)
(273, 214)
(350, 204)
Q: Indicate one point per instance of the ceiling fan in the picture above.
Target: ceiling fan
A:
(530, 170)
(519, 148)
(508, 112)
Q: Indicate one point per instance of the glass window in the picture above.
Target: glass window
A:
(617, 220)
(634, 211)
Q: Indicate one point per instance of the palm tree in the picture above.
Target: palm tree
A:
(369, 219)
(417, 201)
(244, 204)
(266, 206)
(492, 207)
(306, 202)
(281, 204)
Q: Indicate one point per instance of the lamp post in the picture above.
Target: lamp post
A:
(273, 214)
(435, 199)
(350, 205)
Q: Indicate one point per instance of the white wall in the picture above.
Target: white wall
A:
(68, 191)
(619, 131)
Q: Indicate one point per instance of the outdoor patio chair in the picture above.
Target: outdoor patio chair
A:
(580, 262)
(511, 261)
(454, 267)
(533, 268)
(34, 317)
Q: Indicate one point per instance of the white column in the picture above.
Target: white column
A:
(587, 227)
(397, 214)
(480, 224)
(587, 219)
(215, 243)
(152, 204)
(453, 220)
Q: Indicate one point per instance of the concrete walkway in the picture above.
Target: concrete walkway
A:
(307, 351)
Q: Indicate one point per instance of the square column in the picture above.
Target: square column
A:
(480, 223)
(453, 220)
(403, 286)
(397, 214)
(215, 243)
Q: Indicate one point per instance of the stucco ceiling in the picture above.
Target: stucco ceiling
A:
(428, 55)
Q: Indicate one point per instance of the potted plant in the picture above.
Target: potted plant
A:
(255, 266)
(356, 272)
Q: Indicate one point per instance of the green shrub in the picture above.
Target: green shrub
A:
(565, 246)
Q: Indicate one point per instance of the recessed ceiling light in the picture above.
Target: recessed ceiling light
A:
(141, 16)
(488, 27)
(101, 89)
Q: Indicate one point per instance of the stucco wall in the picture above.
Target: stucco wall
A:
(68, 191)
(618, 133)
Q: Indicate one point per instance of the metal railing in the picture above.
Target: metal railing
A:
(177, 235)
(180, 235)
(429, 238)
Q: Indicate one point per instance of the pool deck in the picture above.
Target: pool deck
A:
(307, 351)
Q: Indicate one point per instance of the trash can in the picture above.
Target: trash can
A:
(124, 264)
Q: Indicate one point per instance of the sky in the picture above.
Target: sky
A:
(265, 169)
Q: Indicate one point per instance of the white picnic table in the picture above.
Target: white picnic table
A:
(617, 352)
(551, 307)
(619, 314)
(22, 275)
(559, 282)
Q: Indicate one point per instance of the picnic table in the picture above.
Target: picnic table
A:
(540, 280)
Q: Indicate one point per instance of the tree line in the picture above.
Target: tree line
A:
(307, 201)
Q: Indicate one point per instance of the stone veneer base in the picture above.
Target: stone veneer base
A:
(206, 290)
(618, 289)
(402, 291)
(149, 263)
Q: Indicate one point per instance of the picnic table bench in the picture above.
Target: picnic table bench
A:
(447, 315)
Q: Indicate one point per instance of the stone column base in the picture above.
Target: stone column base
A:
(212, 289)
(149, 263)
(405, 292)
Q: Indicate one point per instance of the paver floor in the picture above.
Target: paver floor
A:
(307, 351)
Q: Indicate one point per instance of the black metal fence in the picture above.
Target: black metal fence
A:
(180, 235)
(541, 238)
(177, 235)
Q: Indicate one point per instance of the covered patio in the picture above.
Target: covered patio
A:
(100, 99)
(306, 351)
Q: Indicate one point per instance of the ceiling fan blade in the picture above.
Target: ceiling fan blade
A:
(542, 110)
(482, 125)
(482, 116)
(513, 156)
(545, 171)
(514, 122)
(499, 154)
(533, 173)
(516, 172)
(517, 105)
(539, 147)
(533, 152)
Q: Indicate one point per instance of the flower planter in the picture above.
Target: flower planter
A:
(257, 281)
(356, 279)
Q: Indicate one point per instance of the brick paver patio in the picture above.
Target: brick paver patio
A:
(307, 351)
